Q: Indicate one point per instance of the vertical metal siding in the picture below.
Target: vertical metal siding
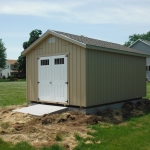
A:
(112, 77)
(76, 69)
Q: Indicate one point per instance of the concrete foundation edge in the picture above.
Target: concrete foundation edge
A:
(95, 109)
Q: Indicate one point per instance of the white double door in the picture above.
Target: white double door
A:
(52, 78)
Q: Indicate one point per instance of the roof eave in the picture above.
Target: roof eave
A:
(115, 51)
(46, 34)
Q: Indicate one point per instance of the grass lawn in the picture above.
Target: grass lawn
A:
(148, 90)
(133, 134)
(12, 93)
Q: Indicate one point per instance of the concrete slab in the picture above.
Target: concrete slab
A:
(41, 109)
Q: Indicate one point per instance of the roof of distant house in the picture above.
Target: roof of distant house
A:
(145, 41)
(10, 61)
(141, 40)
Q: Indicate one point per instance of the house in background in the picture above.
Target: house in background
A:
(10, 70)
(143, 46)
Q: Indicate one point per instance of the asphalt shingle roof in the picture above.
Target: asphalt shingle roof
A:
(96, 42)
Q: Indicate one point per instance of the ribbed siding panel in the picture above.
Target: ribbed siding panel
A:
(76, 69)
(113, 77)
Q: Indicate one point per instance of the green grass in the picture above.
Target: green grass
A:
(25, 146)
(77, 137)
(58, 137)
(148, 90)
(12, 93)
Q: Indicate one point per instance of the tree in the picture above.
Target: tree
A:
(2, 55)
(21, 67)
(34, 35)
(135, 37)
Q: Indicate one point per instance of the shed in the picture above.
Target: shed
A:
(144, 47)
(74, 70)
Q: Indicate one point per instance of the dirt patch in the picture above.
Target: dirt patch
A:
(42, 131)
(128, 110)
(69, 118)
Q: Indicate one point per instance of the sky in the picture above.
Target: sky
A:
(107, 20)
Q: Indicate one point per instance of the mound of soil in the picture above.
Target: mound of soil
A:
(128, 110)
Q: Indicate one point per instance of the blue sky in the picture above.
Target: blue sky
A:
(108, 20)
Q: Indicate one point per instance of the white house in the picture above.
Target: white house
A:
(10, 70)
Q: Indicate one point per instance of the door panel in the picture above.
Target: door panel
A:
(44, 86)
(59, 78)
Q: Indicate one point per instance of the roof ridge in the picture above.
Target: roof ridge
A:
(88, 37)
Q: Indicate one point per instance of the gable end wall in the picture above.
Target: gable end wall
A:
(76, 69)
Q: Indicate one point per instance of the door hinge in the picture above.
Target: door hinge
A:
(66, 101)
(66, 82)
(38, 82)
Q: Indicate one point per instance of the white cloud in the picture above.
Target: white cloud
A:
(89, 11)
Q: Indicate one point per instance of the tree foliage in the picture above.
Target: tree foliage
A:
(135, 37)
(34, 35)
(2, 55)
(21, 64)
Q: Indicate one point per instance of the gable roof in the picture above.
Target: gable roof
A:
(10, 61)
(141, 40)
(86, 42)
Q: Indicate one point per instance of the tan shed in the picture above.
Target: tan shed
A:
(75, 70)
